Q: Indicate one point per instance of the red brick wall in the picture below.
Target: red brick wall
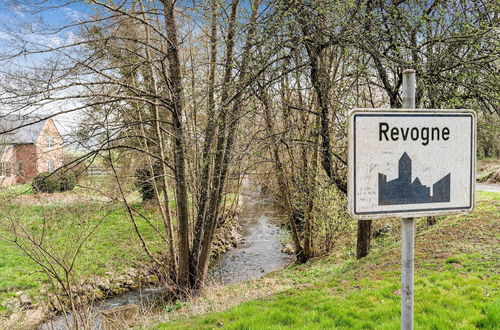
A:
(26, 156)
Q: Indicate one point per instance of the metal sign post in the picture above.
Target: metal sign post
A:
(407, 226)
(406, 163)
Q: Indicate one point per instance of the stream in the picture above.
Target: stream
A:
(258, 254)
(260, 250)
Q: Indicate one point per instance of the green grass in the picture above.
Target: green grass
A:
(456, 284)
(442, 299)
(113, 247)
(110, 251)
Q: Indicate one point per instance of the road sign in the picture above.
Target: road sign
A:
(407, 163)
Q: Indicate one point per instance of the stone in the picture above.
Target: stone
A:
(288, 249)
(25, 299)
(117, 318)
(382, 231)
(34, 317)
(96, 294)
(152, 279)
(28, 319)
(103, 283)
(53, 301)
(87, 289)
(132, 272)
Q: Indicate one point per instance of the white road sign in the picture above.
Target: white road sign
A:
(407, 163)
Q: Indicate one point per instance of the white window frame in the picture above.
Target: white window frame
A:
(50, 165)
(50, 142)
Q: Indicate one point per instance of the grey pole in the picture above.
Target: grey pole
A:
(407, 226)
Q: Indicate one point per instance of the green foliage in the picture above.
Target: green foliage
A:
(47, 182)
(444, 300)
(178, 305)
(333, 223)
(144, 183)
(67, 181)
(491, 318)
(488, 135)
(16, 190)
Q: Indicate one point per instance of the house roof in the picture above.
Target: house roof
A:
(21, 135)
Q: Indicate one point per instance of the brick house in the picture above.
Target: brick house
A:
(28, 150)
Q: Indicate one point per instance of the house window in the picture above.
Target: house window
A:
(50, 165)
(50, 142)
(5, 169)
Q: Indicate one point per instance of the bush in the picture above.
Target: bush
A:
(67, 181)
(47, 182)
(143, 182)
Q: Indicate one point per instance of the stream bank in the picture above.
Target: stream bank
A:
(259, 252)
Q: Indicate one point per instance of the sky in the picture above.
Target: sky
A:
(14, 11)
(18, 16)
(21, 15)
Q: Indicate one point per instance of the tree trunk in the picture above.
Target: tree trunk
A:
(175, 76)
(209, 133)
(315, 45)
(311, 183)
(211, 200)
(165, 209)
(364, 238)
(281, 176)
(225, 147)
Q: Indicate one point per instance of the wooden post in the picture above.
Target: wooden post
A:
(407, 226)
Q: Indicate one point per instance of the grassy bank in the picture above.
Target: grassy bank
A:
(112, 259)
(456, 285)
(111, 251)
(488, 170)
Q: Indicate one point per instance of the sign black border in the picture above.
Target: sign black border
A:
(470, 115)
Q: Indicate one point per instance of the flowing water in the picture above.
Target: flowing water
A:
(260, 250)
(258, 254)
(144, 298)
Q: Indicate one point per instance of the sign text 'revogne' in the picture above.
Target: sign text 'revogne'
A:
(411, 163)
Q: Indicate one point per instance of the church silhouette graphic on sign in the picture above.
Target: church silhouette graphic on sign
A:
(403, 191)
